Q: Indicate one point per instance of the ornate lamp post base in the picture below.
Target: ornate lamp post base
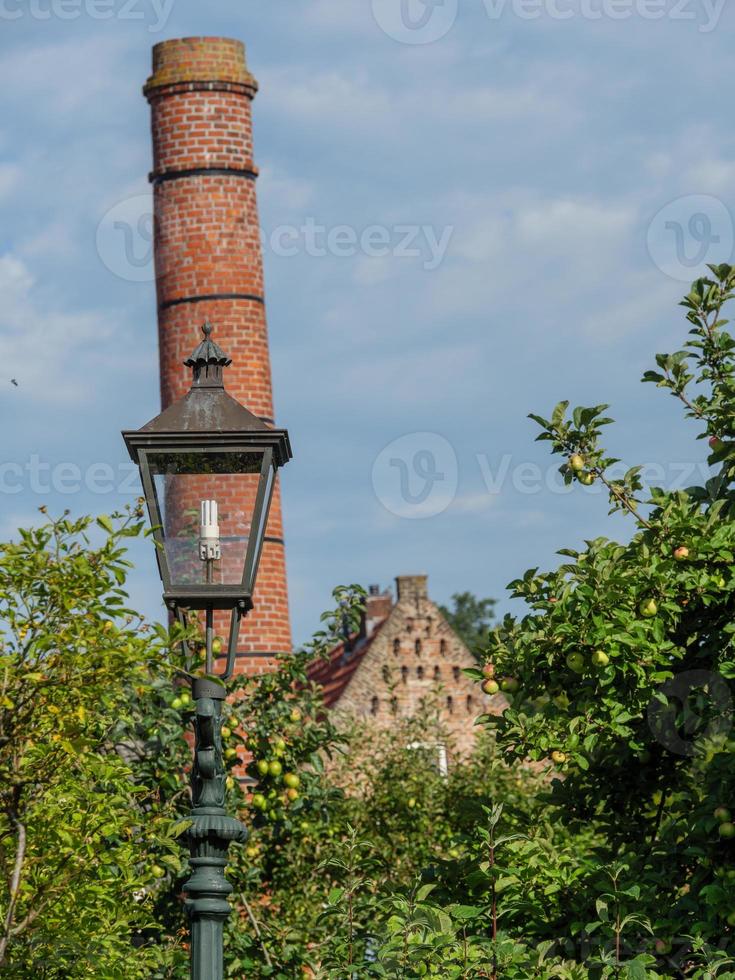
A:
(210, 836)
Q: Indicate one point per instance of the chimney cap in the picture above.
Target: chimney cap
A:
(373, 590)
(198, 61)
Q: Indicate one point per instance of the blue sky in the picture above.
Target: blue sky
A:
(470, 211)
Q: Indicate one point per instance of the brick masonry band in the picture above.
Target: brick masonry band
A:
(209, 264)
(242, 173)
(202, 299)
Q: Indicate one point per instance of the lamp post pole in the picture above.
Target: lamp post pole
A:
(210, 835)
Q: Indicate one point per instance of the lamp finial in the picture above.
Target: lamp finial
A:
(207, 361)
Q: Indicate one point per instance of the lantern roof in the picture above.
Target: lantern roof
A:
(206, 411)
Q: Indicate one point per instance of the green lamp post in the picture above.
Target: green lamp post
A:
(208, 468)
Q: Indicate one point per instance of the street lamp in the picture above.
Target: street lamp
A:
(208, 468)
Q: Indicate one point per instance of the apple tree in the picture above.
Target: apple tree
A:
(625, 660)
(84, 839)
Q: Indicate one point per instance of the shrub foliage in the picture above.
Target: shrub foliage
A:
(589, 835)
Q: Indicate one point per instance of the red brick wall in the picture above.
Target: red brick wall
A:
(209, 263)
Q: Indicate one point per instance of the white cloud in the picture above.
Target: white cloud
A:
(10, 522)
(55, 238)
(473, 503)
(520, 243)
(9, 178)
(345, 16)
(713, 176)
(63, 79)
(357, 100)
(332, 99)
(695, 160)
(49, 353)
(413, 376)
(281, 191)
(574, 224)
(646, 294)
(369, 271)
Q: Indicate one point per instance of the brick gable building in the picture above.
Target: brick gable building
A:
(405, 654)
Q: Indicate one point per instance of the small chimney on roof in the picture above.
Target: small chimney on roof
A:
(377, 606)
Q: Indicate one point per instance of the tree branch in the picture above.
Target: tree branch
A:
(20, 854)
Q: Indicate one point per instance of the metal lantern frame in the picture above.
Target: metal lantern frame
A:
(204, 423)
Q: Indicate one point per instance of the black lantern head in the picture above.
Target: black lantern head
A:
(208, 468)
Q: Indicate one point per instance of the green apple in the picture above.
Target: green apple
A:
(230, 753)
(263, 767)
(291, 780)
(217, 645)
(575, 662)
(600, 658)
(488, 671)
(576, 462)
(275, 768)
(722, 815)
(411, 803)
(681, 553)
(177, 704)
(727, 830)
(490, 687)
(648, 608)
(586, 478)
(259, 801)
(558, 757)
(510, 685)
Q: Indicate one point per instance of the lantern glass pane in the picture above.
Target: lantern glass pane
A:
(206, 502)
(260, 521)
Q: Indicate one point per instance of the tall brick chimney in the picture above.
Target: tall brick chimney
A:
(209, 264)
